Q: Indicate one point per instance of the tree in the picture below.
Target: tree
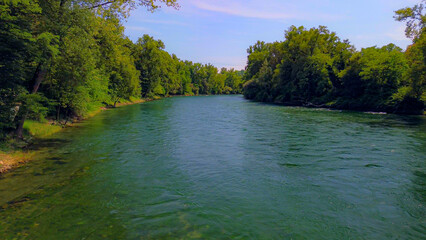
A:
(310, 65)
(17, 50)
(411, 97)
(382, 72)
(44, 39)
(233, 81)
(415, 19)
(150, 61)
(314, 67)
(184, 72)
(25, 53)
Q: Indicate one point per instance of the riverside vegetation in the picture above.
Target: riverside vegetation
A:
(66, 59)
(313, 67)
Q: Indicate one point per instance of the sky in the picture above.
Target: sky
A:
(220, 31)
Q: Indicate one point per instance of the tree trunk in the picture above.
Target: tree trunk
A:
(20, 128)
(58, 112)
(38, 77)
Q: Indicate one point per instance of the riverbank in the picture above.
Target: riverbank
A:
(334, 106)
(15, 153)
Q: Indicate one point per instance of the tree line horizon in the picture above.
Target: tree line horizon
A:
(66, 58)
(314, 67)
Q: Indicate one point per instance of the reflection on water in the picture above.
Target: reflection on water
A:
(223, 167)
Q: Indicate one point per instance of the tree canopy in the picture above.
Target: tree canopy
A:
(62, 59)
(65, 58)
(314, 67)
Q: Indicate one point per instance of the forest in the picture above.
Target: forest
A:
(63, 59)
(315, 68)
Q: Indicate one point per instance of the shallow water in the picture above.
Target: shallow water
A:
(223, 167)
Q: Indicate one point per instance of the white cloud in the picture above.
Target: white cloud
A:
(163, 22)
(137, 28)
(233, 8)
(259, 9)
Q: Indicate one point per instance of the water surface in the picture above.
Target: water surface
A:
(223, 167)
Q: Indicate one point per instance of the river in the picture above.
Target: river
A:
(223, 167)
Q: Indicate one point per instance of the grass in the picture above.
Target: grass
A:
(132, 100)
(12, 154)
(9, 160)
(41, 129)
(12, 150)
(92, 113)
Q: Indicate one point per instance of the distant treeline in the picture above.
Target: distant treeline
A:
(313, 67)
(66, 58)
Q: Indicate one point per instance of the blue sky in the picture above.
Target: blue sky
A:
(220, 31)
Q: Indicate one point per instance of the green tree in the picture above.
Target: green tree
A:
(314, 67)
(150, 62)
(382, 72)
(411, 96)
(17, 51)
(415, 19)
(310, 65)
(54, 48)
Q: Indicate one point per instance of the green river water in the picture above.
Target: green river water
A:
(221, 167)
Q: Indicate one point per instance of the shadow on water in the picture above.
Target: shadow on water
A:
(419, 188)
(393, 120)
(40, 144)
(372, 165)
(376, 118)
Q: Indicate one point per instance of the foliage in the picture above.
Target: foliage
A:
(415, 19)
(162, 74)
(65, 59)
(314, 67)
